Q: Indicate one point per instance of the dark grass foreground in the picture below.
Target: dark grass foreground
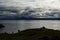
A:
(32, 34)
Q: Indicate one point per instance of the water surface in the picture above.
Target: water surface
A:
(15, 25)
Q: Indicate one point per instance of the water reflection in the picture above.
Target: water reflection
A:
(15, 25)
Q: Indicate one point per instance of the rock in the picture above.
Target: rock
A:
(2, 26)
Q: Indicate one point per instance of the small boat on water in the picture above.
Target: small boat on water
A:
(2, 26)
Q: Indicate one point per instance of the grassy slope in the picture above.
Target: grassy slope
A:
(33, 34)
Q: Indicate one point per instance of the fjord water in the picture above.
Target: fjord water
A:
(15, 25)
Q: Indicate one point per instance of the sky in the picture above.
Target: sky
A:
(32, 3)
(44, 4)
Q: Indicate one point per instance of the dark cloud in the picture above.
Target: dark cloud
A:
(27, 12)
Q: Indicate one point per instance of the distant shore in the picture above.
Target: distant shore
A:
(30, 19)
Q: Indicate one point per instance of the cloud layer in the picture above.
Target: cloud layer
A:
(30, 8)
(32, 3)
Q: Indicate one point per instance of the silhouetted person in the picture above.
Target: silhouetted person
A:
(18, 31)
(43, 28)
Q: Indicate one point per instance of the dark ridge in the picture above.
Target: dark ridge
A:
(38, 29)
(32, 34)
(17, 18)
(37, 18)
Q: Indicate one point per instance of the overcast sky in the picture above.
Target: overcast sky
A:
(43, 4)
(32, 3)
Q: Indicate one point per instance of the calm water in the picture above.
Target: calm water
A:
(14, 26)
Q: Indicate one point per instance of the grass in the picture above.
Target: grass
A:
(32, 34)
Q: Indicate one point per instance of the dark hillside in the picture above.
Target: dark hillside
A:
(32, 34)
